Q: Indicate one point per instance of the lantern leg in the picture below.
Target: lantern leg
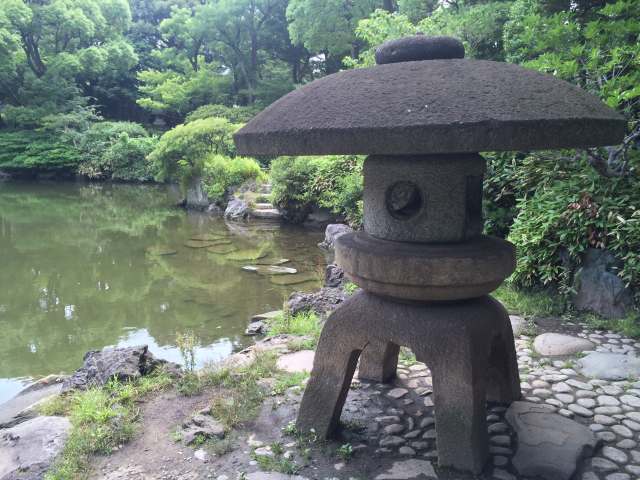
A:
(503, 385)
(334, 364)
(379, 362)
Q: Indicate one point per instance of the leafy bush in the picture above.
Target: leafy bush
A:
(115, 150)
(332, 182)
(222, 173)
(181, 152)
(565, 207)
(36, 151)
(233, 114)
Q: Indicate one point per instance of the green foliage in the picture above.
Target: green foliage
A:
(36, 151)
(233, 114)
(221, 174)
(573, 208)
(181, 152)
(115, 150)
(333, 182)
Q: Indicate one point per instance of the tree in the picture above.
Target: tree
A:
(68, 49)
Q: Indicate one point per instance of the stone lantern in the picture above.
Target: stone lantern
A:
(422, 114)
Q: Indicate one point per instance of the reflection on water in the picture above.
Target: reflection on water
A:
(84, 266)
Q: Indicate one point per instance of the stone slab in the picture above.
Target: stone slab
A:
(609, 366)
(301, 361)
(28, 449)
(550, 446)
(411, 469)
(557, 344)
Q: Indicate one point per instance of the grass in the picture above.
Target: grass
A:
(350, 288)
(628, 326)
(301, 324)
(406, 357)
(530, 303)
(102, 419)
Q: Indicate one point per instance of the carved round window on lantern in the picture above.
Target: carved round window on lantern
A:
(404, 200)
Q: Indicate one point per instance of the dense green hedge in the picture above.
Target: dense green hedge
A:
(332, 182)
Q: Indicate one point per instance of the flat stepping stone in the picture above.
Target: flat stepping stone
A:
(550, 446)
(270, 269)
(197, 244)
(266, 316)
(301, 361)
(264, 206)
(161, 250)
(409, 469)
(609, 366)
(296, 279)
(272, 261)
(557, 344)
(221, 249)
(247, 254)
(207, 237)
(266, 213)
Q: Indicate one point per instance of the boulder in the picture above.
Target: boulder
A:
(237, 209)
(201, 426)
(550, 446)
(126, 363)
(333, 276)
(214, 209)
(609, 366)
(29, 449)
(196, 198)
(332, 232)
(556, 344)
(267, 315)
(256, 328)
(322, 302)
(598, 288)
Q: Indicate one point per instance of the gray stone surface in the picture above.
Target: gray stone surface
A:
(419, 47)
(301, 361)
(237, 209)
(430, 198)
(518, 325)
(333, 232)
(20, 408)
(412, 469)
(549, 445)
(28, 449)
(425, 271)
(598, 287)
(609, 366)
(333, 276)
(126, 363)
(323, 301)
(557, 344)
(431, 106)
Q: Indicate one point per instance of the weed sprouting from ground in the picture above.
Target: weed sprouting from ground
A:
(102, 419)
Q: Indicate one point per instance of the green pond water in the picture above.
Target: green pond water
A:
(83, 266)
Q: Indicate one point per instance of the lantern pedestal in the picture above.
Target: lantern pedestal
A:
(467, 344)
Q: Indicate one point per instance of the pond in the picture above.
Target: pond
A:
(83, 266)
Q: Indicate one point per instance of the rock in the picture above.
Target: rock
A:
(333, 276)
(609, 366)
(21, 407)
(236, 209)
(201, 455)
(301, 361)
(409, 470)
(214, 209)
(397, 393)
(550, 446)
(518, 324)
(256, 328)
(28, 449)
(201, 426)
(322, 302)
(332, 232)
(630, 400)
(270, 269)
(266, 316)
(125, 364)
(196, 198)
(598, 288)
(553, 344)
(614, 455)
